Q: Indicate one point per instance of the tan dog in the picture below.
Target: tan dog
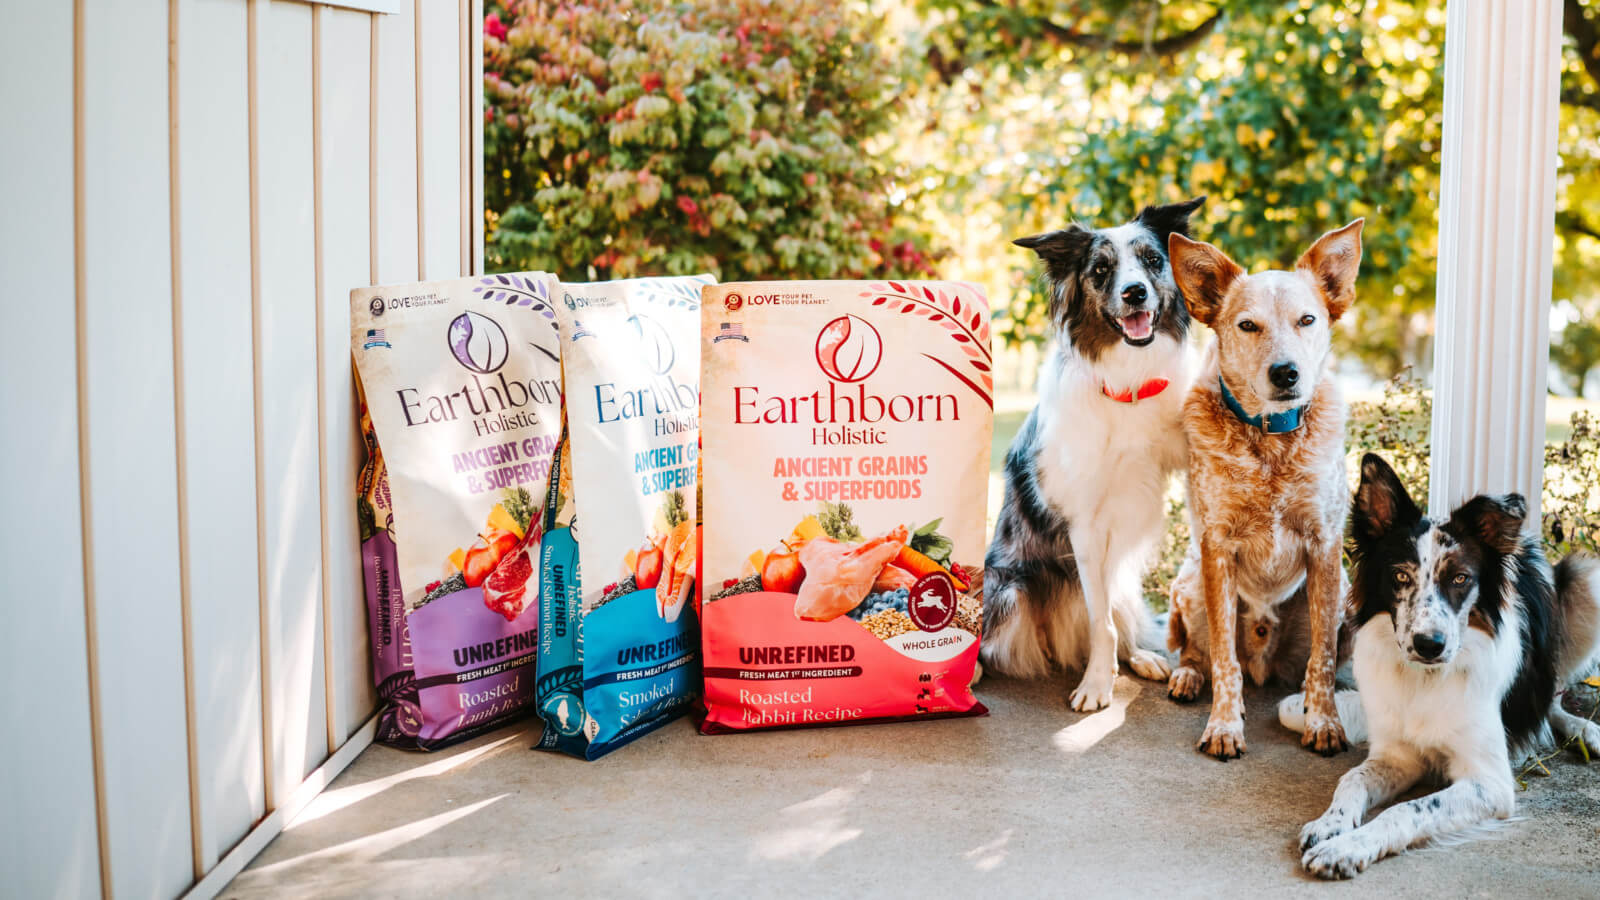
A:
(1267, 489)
(1269, 643)
(1272, 644)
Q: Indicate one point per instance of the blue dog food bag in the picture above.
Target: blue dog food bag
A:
(619, 641)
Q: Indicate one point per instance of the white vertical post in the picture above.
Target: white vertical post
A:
(1496, 228)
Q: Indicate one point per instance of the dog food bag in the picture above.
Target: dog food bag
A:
(846, 430)
(461, 413)
(619, 648)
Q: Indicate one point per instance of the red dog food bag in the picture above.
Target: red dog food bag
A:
(846, 429)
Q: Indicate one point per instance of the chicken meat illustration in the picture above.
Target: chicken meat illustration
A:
(893, 578)
(840, 574)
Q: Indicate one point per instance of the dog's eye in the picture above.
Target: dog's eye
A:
(1307, 320)
(1100, 269)
(1461, 578)
(1402, 578)
(1248, 325)
(1261, 631)
(1152, 261)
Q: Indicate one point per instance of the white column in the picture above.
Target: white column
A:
(1496, 227)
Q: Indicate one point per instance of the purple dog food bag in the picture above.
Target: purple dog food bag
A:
(460, 392)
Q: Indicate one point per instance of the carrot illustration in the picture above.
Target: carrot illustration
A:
(919, 564)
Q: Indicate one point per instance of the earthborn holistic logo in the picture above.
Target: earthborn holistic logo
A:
(655, 344)
(478, 343)
(933, 602)
(733, 302)
(849, 349)
(376, 306)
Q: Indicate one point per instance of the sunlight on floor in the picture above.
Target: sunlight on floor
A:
(813, 827)
(992, 854)
(335, 799)
(372, 846)
(1088, 731)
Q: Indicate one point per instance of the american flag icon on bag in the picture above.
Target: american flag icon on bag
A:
(730, 331)
(375, 338)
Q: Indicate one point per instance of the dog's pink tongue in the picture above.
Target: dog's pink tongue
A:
(1137, 326)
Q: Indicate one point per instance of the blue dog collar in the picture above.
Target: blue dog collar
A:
(1269, 423)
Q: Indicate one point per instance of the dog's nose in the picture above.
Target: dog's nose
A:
(1135, 294)
(1428, 646)
(1284, 375)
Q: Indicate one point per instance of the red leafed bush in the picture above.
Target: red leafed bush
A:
(733, 136)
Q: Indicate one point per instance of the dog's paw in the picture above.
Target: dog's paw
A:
(1185, 684)
(977, 674)
(1223, 739)
(1590, 735)
(1324, 735)
(1321, 830)
(1343, 856)
(1149, 664)
(1092, 693)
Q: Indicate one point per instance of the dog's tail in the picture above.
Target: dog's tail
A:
(1292, 714)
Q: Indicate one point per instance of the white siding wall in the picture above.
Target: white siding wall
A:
(202, 183)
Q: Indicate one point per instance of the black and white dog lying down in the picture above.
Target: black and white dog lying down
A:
(1465, 639)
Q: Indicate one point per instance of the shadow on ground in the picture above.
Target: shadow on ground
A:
(1031, 800)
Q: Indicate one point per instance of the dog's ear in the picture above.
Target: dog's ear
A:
(1382, 502)
(1065, 254)
(1332, 263)
(1495, 520)
(1170, 219)
(1203, 274)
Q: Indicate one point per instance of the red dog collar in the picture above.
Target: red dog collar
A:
(1147, 390)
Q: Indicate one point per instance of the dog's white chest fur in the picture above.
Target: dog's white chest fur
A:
(1107, 462)
(1440, 714)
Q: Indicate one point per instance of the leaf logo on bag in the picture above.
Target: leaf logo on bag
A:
(849, 349)
(478, 343)
(655, 345)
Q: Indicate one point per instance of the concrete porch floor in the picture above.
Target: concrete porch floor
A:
(1031, 800)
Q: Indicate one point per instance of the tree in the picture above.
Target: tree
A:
(731, 136)
(1577, 352)
(1294, 116)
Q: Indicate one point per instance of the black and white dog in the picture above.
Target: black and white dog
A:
(1465, 639)
(1087, 473)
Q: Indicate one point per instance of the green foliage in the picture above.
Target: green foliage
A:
(1575, 348)
(1397, 426)
(930, 543)
(1293, 116)
(674, 509)
(1577, 352)
(660, 136)
(838, 521)
(1169, 558)
(1572, 490)
(519, 505)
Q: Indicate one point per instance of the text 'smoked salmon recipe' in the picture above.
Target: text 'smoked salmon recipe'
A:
(845, 429)
(619, 646)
